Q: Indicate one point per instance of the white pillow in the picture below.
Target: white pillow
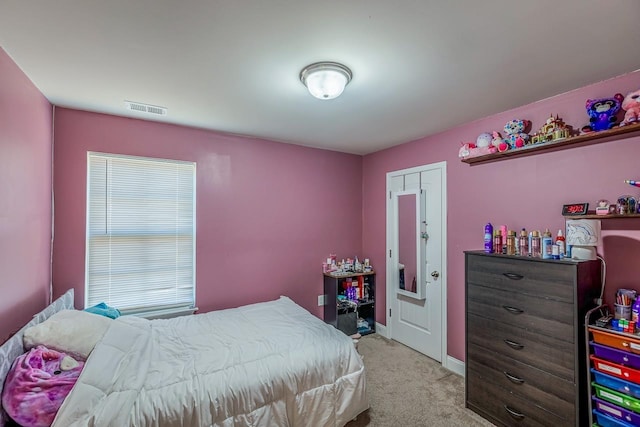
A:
(68, 331)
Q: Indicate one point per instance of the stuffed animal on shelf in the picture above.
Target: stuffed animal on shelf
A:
(465, 149)
(469, 149)
(602, 113)
(499, 143)
(631, 105)
(483, 140)
(515, 131)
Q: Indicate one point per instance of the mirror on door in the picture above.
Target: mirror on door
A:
(408, 217)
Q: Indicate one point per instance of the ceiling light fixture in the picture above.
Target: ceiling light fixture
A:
(325, 80)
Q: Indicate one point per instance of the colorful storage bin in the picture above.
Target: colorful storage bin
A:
(616, 412)
(616, 370)
(617, 398)
(605, 420)
(616, 384)
(618, 356)
(616, 340)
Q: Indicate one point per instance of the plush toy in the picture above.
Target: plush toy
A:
(483, 140)
(602, 113)
(515, 131)
(469, 149)
(498, 142)
(631, 104)
(465, 150)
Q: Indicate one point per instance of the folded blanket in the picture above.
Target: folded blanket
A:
(37, 384)
(104, 310)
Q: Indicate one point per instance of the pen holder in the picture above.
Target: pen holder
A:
(622, 312)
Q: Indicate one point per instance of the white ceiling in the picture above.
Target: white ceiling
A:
(420, 67)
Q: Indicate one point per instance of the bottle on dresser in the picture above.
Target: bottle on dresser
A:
(561, 243)
(547, 243)
(523, 241)
(535, 244)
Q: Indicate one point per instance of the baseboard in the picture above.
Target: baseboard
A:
(454, 365)
(381, 330)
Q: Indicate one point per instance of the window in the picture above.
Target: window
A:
(140, 253)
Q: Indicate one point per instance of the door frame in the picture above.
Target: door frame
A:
(442, 167)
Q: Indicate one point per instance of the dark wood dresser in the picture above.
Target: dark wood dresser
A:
(525, 338)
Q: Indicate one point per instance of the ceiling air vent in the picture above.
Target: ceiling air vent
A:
(146, 108)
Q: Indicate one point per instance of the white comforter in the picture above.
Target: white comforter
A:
(266, 364)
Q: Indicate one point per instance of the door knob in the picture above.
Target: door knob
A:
(435, 274)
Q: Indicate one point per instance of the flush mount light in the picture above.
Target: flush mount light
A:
(325, 80)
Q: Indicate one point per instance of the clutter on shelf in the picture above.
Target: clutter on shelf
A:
(346, 266)
(605, 115)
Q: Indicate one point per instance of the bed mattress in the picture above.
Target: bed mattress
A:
(265, 364)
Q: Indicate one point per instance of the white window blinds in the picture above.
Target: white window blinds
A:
(140, 252)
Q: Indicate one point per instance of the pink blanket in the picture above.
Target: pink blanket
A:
(37, 384)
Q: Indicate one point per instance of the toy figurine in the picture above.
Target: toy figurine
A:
(602, 113)
(553, 129)
(631, 105)
(603, 207)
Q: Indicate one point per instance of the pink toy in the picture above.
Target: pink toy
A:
(500, 144)
(469, 149)
(631, 104)
(37, 384)
(465, 150)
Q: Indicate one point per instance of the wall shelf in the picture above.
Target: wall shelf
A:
(608, 216)
(574, 141)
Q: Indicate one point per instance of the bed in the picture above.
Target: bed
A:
(265, 364)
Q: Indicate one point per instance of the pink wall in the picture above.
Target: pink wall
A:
(522, 192)
(268, 213)
(25, 198)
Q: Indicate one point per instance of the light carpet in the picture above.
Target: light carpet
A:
(408, 389)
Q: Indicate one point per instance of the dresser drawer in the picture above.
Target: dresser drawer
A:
(508, 408)
(545, 280)
(552, 393)
(546, 353)
(549, 317)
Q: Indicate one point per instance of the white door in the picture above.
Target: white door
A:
(418, 320)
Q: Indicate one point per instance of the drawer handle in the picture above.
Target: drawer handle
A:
(512, 310)
(513, 379)
(513, 276)
(514, 414)
(514, 345)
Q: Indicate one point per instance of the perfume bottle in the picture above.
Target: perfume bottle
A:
(497, 242)
(524, 243)
(511, 243)
(547, 243)
(535, 244)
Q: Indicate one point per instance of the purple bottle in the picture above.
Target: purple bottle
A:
(488, 238)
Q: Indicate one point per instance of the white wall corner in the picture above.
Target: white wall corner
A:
(381, 330)
(456, 366)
